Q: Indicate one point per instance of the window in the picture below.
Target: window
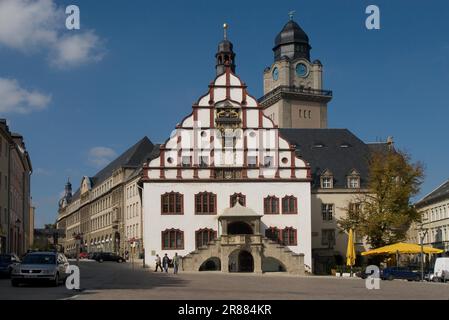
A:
(204, 236)
(327, 179)
(268, 162)
(204, 161)
(289, 236)
(252, 161)
(327, 211)
(353, 182)
(273, 234)
(326, 182)
(172, 239)
(328, 237)
(229, 142)
(186, 161)
(172, 203)
(354, 208)
(205, 203)
(289, 205)
(271, 205)
(238, 197)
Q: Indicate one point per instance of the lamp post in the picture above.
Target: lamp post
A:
(422, 235)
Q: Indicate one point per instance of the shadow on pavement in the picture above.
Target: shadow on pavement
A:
(122, 276)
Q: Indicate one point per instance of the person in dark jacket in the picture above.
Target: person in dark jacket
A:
(165, 262)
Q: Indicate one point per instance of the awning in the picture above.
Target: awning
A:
(401, 248)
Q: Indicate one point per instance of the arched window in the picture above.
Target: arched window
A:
(172, 239)
(205, 203)
(273, 233)
(204, 236)
(289, 205)
(289, 236)
(241, 198)
(271, 205)
(172, 203)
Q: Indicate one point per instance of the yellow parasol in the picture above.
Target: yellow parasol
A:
(350, 251)
(401, 248)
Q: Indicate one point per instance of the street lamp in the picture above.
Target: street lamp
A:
(422, 235)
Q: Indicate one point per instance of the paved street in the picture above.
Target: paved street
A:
(118, 281)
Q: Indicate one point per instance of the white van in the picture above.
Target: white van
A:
(441, 270)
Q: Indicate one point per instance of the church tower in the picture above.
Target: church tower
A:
(293, 91)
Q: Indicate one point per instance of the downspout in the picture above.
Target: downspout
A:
(8, 238)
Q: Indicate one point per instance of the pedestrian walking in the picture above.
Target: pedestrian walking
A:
(158, 263)
(165, 262)
(175, 263)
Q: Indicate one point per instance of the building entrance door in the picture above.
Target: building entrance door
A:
(246, 262)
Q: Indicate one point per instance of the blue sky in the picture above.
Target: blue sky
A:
(136, 67)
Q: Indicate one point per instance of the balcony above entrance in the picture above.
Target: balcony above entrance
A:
(239, 220)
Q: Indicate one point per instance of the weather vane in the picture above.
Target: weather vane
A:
(291, 14)
(225, 29)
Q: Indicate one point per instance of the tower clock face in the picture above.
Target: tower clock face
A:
(275, 74)
(301, 70)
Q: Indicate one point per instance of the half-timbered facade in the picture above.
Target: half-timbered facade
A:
(227, 191)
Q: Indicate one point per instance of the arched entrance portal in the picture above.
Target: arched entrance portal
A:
(241, 261)
(211, 264)
(239, 227)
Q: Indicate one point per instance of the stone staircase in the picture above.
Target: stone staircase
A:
(267, 254)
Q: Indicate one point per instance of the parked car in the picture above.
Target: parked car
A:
(108, 256)
(40, 266)
(84, 255)
(400, 273)
(7, 263)
(441, 269)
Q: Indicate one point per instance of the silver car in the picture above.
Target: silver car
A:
(40, 266)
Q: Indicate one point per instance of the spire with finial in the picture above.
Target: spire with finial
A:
(292, 42)
(291, 14)
(225, 31)
(225, 56)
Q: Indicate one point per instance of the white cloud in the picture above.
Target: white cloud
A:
(101, 156)
(15, 99)
(33, 25)
(71, 51)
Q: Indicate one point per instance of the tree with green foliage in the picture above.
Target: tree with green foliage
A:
(384, 214)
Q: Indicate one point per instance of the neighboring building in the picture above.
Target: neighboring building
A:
(293, 86)
(15, 198)
(226, 191)
(94, 214)
(5, 142)
(340, 169)
(434, 210)
(133, 210)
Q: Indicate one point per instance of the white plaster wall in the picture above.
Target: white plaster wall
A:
(155, 223)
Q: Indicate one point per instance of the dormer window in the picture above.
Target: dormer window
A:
(327, 180)
(353, 180)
